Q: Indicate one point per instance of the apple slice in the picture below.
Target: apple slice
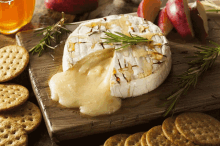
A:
(199, 21)
(149, 9)
(179, 15)
(163, 22)
(71, 6)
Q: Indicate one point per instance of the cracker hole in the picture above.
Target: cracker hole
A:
(13, 132)
(17, 138)
(31, 119)
(10, 142)
(5, 136)
(1, 130)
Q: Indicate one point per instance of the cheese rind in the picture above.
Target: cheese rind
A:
(137, 69)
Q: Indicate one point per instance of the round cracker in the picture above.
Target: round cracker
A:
(155, 137)
(143, 140)
(116, 140)
(12, 134)
(199, 128)
(27, 115)
(171, 133)
(134, 139)
(13, 60)
(12, 95)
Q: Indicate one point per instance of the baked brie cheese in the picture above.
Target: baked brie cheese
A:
(97, 74)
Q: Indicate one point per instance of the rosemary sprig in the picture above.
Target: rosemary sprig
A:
(50, 33)
(124, 39)
(205, 59)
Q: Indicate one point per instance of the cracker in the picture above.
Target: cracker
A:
(13, 60)
(12, 134)
(198, 127)
(143, 140)
(12, 95)
(171, 133)
(155, 137)
(134, 139)
(116, 140)
(27, 115)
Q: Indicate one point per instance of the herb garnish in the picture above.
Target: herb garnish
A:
(124, 39)
(213, 10)
(205, 59)
(51, 33)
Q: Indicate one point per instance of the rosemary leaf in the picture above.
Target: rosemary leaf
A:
(213, 10)
(204, 60)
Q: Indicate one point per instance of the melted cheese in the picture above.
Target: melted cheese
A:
(87, 85)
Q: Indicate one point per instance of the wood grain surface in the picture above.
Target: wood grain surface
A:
(64, 123)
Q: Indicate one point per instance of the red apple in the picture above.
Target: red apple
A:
(179, 15)
(199, 21)
(164, 22)
(71, 6)
(149, 9)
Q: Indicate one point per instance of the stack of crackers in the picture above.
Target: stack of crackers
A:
(18, 116)
(187, 129)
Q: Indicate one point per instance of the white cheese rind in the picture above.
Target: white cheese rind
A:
(137, 69)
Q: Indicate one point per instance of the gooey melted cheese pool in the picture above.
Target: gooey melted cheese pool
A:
(87, 85)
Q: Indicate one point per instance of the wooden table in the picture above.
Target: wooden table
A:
(42, 18)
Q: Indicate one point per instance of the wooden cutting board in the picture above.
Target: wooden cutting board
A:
(64, 123)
